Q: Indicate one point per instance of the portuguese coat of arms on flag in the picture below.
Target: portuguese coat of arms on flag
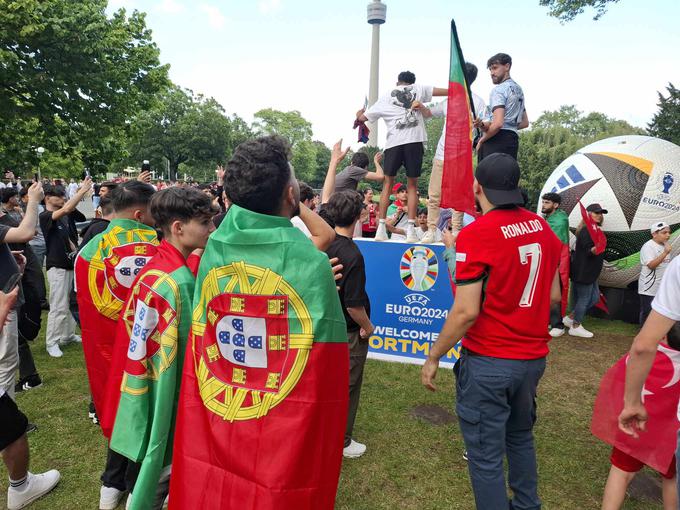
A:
(264, 395)
(105, 270)
(143, 386)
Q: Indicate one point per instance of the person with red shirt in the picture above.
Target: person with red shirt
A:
(506, 278)
(370, 224)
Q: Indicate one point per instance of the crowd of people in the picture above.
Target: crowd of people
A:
(193, 280)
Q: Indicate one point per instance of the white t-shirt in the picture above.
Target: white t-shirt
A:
(650, 279)
(403, 125)
(439, 110)
(421, 233)
(402, 224)
(667, 300)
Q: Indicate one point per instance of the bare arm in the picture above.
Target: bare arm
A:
(361, 117)
(524, 123)
(26, 229)
(490, 129)
(74, 200)
(633, 417)
(653, 264)
(337, 155)
(378, 175)
(465, 310)
(322, 233)
(359, 315)
(437, 91)
(555, 289)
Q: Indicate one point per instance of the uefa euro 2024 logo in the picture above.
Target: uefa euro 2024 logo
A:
(419, 268)
(667, 182)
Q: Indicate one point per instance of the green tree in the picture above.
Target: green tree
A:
(666, 122)
(567, 10)
(291, 125)
(181, 128)
(79, 73)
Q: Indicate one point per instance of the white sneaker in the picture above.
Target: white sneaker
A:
(354, 450)
(429, 236)
(55, 351)
(567, 321)
(36, 487)
(381, 233)
(555, 332)
(580, 331)
(75, 339)
(109, 498)
(411, 236)
(128, 502)
(166, 502)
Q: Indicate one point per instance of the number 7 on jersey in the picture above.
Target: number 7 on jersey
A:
(530, 254)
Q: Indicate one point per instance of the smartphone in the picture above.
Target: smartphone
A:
(35, 177)
(146, 167)
(12, 282)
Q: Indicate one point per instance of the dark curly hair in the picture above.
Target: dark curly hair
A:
(257, 174)
(360, 159)
(183, 204)
(499, 58)
(306, 191)
(406, 77)
(344, 207)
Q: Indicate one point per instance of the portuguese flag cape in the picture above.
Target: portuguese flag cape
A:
(105, 269)
(457, 174)
(264, 397)
(147, 364)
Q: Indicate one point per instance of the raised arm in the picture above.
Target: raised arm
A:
(322, 233)
(337, 155)
(74, 200)
(378, 175)
(26, 229)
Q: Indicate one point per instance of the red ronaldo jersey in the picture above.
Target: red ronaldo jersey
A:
(516, 254)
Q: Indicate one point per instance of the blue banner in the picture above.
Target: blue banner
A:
(410, 292)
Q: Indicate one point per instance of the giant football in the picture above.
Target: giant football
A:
(637, 179)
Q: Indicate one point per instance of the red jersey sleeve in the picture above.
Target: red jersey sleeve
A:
(470, 257)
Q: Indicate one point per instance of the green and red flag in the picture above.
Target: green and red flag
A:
(105, 270)
(263, 404)
(457, 175)
(143, 386)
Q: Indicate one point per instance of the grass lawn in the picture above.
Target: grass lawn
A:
(410, 463)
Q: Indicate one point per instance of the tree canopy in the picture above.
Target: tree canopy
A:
(567, 10)
(666, 121)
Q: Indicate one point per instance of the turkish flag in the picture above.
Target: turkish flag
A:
(656, 446)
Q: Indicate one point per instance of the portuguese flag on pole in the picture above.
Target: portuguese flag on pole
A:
(264, 397)
(105, 269)
(146, 371)
(457, 175)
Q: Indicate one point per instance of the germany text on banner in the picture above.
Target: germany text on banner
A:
(264, 393)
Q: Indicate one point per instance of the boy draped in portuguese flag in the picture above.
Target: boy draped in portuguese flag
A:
(151, 342)
(263, 402)
(104, 272)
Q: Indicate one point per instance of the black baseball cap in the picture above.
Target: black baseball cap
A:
(596, 208)
(498, 174)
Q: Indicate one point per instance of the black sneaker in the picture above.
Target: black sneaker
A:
(31, 427)
(31, 382)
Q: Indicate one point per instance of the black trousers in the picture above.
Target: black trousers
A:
(504, 141)
(120, 472)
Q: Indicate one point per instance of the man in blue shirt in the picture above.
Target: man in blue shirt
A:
(508, 115)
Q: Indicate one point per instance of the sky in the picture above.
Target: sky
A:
(314, 57)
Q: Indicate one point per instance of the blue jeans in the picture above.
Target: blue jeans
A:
(586, 295)
(496, 409)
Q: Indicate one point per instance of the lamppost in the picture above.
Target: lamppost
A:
(40, 151)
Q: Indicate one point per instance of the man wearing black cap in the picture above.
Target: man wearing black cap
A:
(586, 266)
(507, 260)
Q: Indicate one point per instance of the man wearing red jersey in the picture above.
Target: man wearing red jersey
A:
(506, 277)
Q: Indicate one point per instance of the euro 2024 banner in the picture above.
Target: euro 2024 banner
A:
(410, 293)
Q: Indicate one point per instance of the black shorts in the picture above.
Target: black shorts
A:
(505, 141)
(409, 155)
(13, 422)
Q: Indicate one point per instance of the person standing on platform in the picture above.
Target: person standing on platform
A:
(559, 223)
(505, 341)
(345, 208)
(508, 114)
(655, 255)
(404, 144)
(435, 187)
(370, 224)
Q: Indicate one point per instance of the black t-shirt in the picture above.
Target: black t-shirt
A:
(353, 282)
(59, 235)
(585, 267)
(97, 226)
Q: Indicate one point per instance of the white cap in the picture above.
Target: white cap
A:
(659, 225)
